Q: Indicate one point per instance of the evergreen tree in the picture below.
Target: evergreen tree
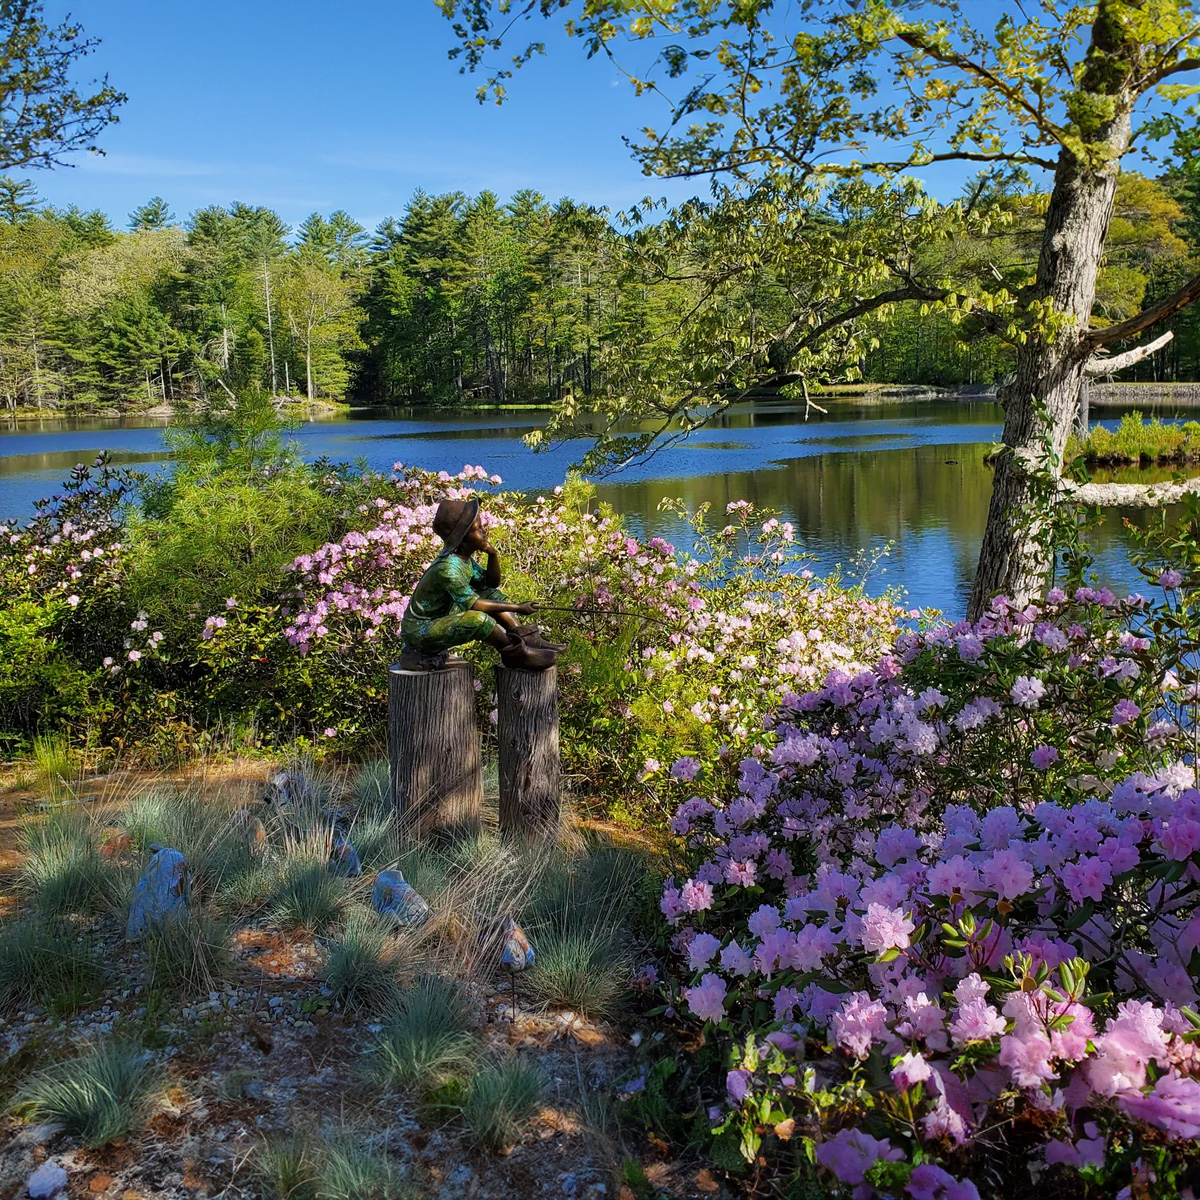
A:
(154, 214)
(18, 199)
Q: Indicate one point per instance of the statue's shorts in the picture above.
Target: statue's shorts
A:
(437, 634)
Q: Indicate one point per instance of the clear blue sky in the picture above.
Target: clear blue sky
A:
(312, 106)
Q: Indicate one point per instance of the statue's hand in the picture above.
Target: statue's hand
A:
(526, 609)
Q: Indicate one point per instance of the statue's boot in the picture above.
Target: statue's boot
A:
(524, 657)
(531, 635)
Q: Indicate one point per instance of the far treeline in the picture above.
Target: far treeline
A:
(466, 300)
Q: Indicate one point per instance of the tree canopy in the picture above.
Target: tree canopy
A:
(45, 114)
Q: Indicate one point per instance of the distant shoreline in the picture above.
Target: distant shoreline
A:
(1102, 395)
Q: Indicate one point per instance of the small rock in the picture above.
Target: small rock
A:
(48, 1180)
(276, 1002)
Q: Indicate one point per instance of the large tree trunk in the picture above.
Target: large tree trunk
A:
(1042, 397)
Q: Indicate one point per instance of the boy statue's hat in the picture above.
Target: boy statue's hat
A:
(453, 519)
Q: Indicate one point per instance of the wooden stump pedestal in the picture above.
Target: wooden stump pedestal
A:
(530, 791)
(433, 749)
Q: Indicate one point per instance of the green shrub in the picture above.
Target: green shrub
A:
(358, 968)
(100, 1095)
(502, 1097)
(1137, 440)
(46, 963)
(222, 536)
(426, 1041)
(187, 956)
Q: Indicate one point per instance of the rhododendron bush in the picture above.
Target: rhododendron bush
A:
(674, 654)
(947, 930)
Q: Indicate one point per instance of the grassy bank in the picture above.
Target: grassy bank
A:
(1138, 441)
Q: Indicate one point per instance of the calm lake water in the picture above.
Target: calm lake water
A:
(909, 473)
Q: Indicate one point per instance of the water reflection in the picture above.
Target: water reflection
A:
(856, 478)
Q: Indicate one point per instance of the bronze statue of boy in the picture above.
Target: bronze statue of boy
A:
(457, 601)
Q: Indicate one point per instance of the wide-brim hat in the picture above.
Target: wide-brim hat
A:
(453, 520)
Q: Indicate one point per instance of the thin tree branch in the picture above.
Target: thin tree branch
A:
(1186, 295)
(1100, 365)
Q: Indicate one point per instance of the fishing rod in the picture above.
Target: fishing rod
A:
(595, 609)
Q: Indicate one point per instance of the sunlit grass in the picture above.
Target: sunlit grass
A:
(100, 1095)
(426, 1041)
(359, 968)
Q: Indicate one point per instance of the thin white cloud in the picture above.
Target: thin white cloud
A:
(147, 165)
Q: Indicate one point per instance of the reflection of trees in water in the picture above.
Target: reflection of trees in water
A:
(64, 461)
(931, 500)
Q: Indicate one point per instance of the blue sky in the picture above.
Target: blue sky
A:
(311, 106)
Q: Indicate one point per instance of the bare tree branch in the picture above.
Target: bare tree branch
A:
(1101, 365)
(1130, 495)
(1186, 295)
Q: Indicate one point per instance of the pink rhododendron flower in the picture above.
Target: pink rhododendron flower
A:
(858, 1023)
(707, 999)
(930, 1182)
(1027, 691)
(1173, 1106)
(885, 929)
(850, 1152)
(1044, 757)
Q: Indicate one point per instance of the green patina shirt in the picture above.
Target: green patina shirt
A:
(451, 584)
(440, 614)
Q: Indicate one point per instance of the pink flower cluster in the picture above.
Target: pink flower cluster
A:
(869, 883)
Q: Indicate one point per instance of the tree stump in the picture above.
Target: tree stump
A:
(530, 794)
(433, 749)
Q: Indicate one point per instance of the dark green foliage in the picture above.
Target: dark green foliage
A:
(95, 1097)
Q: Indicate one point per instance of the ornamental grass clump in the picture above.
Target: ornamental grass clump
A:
(970, 874)
(187, 956)
(196, 825)
(98, 1096)
(360, 969)
(307, 896)
(47, 963)
(580, 969)
(427, 1041)
(351, 1171)
(502, 1097)
(62, 870)
(288, 1168)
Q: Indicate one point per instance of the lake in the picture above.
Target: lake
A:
(910, 473)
